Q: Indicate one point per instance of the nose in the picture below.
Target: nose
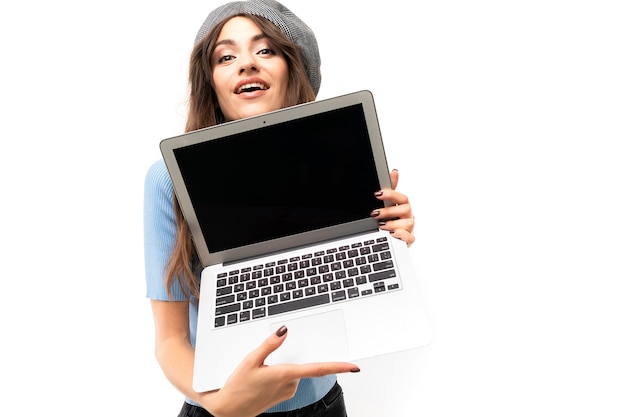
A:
(248, 63)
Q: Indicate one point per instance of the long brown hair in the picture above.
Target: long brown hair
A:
(203, 111)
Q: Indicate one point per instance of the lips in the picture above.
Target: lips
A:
(250, 87)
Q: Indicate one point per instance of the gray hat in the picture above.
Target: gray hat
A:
(294, 28)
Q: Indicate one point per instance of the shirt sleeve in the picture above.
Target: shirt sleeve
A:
(159, 232)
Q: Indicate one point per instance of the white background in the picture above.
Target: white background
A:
(506, 119)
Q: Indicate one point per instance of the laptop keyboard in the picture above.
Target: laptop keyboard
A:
(334, 275)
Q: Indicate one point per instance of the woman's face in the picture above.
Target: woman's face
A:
(250, 75)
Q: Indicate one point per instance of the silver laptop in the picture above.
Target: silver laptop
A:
(279, 210)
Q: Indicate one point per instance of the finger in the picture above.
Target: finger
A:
(319, 369)
(393, 196)
(394, 175)
(402, 211)
(404, 235)
(258, 356)
(407, 224)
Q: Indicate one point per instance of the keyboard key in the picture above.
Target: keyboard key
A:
(380, 247)
(353, 292)
(298, 304)
(229, 299)
(339, 296)
(383, 265)
(227, 309)
(224, 291)
(258, 313)
(244, 316)
(377, 276)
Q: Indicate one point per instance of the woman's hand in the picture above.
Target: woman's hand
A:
(398, 218)
(254, 387)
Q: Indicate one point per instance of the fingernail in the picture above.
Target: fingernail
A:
(355, 370)
(382, 223)
(378, 193)
(395, 170)
(375, 213)
(281, 331)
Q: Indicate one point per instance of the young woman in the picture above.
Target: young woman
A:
(250, 57)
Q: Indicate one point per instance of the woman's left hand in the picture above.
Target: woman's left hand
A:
(397, 218)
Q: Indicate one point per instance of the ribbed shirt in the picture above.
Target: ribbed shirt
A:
(159, 239)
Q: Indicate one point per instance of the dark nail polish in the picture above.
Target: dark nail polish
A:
(355, 370)
(382, 223)
(375, 213)
(281, 331)
(378, 193)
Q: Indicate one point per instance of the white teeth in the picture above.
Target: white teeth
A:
(251, 85)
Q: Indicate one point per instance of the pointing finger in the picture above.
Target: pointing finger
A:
(313, 370)
(273, 342)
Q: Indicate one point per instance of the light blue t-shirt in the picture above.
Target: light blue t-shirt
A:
(159, 238)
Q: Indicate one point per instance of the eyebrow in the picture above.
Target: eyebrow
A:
(255, 38)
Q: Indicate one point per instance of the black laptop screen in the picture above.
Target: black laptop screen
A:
(280, 180)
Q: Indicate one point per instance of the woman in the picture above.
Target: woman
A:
(250, 57)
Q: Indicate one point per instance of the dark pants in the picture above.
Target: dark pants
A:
(332, 405)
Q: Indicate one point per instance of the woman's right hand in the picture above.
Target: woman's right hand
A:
(254, 387)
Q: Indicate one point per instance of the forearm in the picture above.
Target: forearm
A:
(176, 356)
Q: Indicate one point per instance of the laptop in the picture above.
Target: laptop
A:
(279, 206)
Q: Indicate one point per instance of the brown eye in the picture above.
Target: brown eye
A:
(225, 58)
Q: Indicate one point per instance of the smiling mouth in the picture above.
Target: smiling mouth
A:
(248, 88)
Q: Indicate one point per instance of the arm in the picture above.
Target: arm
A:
(173, 348)
(251, 389)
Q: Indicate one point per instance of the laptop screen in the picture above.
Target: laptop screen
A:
(275, 181)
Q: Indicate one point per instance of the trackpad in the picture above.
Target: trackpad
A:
(317, 338)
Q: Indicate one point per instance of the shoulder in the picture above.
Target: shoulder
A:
(157, 176)
(158, 192)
